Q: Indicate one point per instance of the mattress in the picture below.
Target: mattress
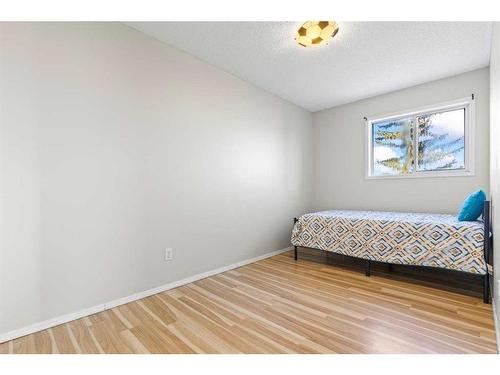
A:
(432, 240)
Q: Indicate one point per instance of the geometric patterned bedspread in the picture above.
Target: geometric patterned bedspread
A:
(432, 240)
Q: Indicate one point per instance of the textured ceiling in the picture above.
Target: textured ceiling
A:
(363, 60)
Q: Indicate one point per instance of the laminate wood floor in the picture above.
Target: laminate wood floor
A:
(278, 305)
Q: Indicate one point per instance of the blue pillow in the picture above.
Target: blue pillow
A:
(472, 207)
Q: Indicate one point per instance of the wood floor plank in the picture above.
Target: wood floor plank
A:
(161, 330)
(127, 313)
(110, 341)
(352, 310)
(4, 348)
(24, 345)
(134, 343)
(82, 335)
(199, 342)
(230, 317)
(112, 321)
(162, 311)
(122, 318)
(63, 340)
(43, 342)
(279, 305)
(223, 332)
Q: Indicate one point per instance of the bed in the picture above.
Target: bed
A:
(416, 239)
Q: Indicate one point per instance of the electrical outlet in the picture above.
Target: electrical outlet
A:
(169, 253)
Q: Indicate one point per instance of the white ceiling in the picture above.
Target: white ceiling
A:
(363, 60)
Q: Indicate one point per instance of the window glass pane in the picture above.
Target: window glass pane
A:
(441, 141)
(392, 147)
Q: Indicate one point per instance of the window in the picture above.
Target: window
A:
(426, 142)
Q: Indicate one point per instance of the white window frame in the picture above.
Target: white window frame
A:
(467, 103)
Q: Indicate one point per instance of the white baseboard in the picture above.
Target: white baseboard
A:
(121, 301)
(49, 323)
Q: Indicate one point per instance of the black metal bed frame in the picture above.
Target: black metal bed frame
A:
(487, 280)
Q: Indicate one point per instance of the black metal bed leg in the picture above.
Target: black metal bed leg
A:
(295, 255)
(488, 250)
(367, 267)
(486, 288)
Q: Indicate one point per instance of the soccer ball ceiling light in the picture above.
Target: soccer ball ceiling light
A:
(316, 33)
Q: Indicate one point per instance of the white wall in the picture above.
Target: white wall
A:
(495, 159)
(339, 152)
(114, 146)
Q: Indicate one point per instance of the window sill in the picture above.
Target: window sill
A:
(424, 175)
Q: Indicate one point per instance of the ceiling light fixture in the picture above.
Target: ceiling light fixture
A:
(316, 33)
